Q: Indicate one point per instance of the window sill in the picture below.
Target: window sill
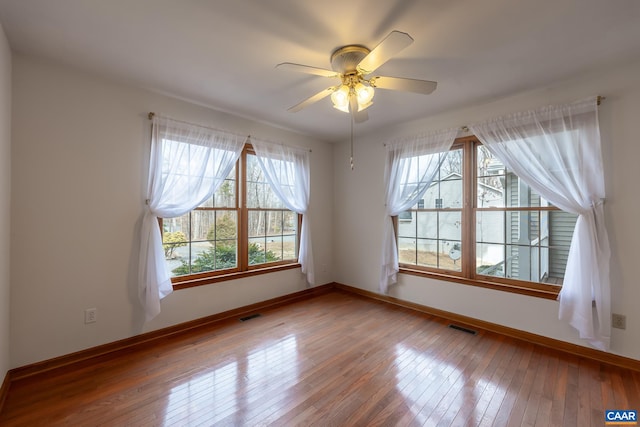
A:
(231, 276)
(539, 290)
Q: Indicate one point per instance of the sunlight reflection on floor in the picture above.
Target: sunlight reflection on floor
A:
(421, 376)
(214, 394)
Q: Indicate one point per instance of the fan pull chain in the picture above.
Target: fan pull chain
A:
(351, 158)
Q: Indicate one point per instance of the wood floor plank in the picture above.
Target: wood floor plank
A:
(497, 410)
(336, 359)
(462, 391)
(444, 366)
(535, 395)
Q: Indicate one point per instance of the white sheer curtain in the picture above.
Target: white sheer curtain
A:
(411, 165)
(556, 150)
(187, 164)
(287, 172)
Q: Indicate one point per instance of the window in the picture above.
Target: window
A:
(434, 230)
(481, 224)
(242, 228)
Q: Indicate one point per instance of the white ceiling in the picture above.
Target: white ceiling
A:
(222, 53)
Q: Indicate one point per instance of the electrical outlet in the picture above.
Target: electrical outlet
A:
(618, 321)
(91, 315)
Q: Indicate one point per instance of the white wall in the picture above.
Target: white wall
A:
(359, 210)
(5, 199)
(80, 159)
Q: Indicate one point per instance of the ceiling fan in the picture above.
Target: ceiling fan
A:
(353, 64)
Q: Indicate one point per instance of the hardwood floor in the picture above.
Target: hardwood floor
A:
(333, 360)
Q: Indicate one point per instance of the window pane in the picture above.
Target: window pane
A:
(178, 224)
(289, 222)
(202, 257)
(273, 242)
(257, 253)
(256, 223)
(405, 216)
(225, 196)
(523, 227)
(530, 253)
(524, 263)
(212, 245)
(450, 255)
(421, 205)
(175, 240)
(427, 224)
(203, 225)
(490, 227)
(444, 194)
(223, 240)
(255, 194)
(226, 226)
(498, 186)
(406, 250)
(175, 232)
(517, 193)
(487, 164)
(452, 164)
(450, 225)
(490, 192)
(226, 254)
(451, 193)
(274, 245)
(259, 193)
(272, 236)
(445, 190)
(290, 235)
(428, 253)
(490, 259)
(273, 223)
(407, 227)
(561, 226)
(426, 238)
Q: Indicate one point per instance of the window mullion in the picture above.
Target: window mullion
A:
(243, 226)
(468, 216)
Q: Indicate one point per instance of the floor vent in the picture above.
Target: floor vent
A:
(253, 316)
(460, 328)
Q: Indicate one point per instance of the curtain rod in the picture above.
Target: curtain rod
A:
(151, 115)
(599, 100)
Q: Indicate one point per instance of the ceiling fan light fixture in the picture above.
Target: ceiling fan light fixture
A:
(364, 93)
(340, 98)
(353, 64)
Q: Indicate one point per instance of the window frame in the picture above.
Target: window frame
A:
(243, 268)
(468, 274)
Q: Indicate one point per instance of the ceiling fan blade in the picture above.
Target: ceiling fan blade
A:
(386, 49)
(314, 98)
(358, 116)
(307, 69)
(424, 87)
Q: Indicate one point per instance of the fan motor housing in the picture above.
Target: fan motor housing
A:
(344, 60)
